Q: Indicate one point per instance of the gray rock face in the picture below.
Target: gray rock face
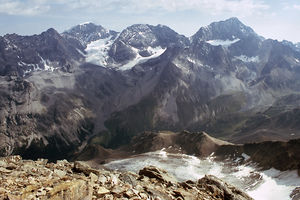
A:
(224, 81)
(229, 29)
(88, 32)
(221, 189)
(137, 39)
(20, 55)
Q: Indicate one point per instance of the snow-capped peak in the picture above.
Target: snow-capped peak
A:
(85, 23)
(225, 43)
(155, 52)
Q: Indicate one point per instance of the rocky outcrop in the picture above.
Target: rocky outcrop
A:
(22, 55)
(202, 143)
(295, 194)
(27, 179)
(270, 154)
(87, 32)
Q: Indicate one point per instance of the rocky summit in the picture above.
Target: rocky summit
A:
(27, 179)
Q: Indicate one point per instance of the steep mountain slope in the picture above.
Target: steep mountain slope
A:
(57, 91)
(143, 41)
(87, 33)
(205, 84)
(21, 55)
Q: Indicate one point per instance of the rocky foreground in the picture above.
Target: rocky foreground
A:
(27, 179)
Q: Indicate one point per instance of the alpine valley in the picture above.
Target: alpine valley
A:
(99, 95)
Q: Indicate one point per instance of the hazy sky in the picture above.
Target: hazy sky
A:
(276, 19)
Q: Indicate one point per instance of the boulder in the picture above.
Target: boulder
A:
(159, 174)
(82, 167)
(66, 180)
(221, 189)
(295, 195)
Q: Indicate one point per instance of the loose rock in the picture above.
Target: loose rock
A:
(65, 180)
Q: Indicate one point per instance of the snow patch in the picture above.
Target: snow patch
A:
(276, 185)
(79, 51)
(97, 51)
(32, 67)
(191, 60)
(260, 185)
(47, 65)
(247, 59)
(245, 156)
(10, 45)
(156, 52)
(225, 43)
(84, 23)
(297, 60)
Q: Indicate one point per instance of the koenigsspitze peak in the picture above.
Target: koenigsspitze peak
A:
(88, 32)
(229, 29)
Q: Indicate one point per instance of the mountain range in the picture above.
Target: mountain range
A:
(60, 91)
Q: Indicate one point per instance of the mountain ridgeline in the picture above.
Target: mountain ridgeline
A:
(60, 92)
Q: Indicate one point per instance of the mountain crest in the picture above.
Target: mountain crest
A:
(229, 29)
(88, 32)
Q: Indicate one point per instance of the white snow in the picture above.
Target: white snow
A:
(275, 185)
(245, 58)
(297, 60)
(97, 51)
(10, 45)
(47, 67)
(156, 52)
(34, 67)
(191, 60)
(225, 43)
(245, 156)
(79, 51)
(84, 23)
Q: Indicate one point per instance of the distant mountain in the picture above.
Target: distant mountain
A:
(88, 32)
(229, 29)
(20, 55)
(59, 90)
(298, 46)
(144, 41)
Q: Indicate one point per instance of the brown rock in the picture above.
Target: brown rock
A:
(4, 170)
(76, 190)
(64, 180)
(221, 189)
(117, 191)
(129, 193)
(295, 195)
(93, 177)
(80, 166)
(2, 190)
(3, 164)
(59, 173)
(108, 197)
(159, 174)
(143, 195)
(102, 191)
(102, 179)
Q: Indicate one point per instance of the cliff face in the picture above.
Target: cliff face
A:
(279, 155)
(27, 179)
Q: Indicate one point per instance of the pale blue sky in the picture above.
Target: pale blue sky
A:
(276, 19)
